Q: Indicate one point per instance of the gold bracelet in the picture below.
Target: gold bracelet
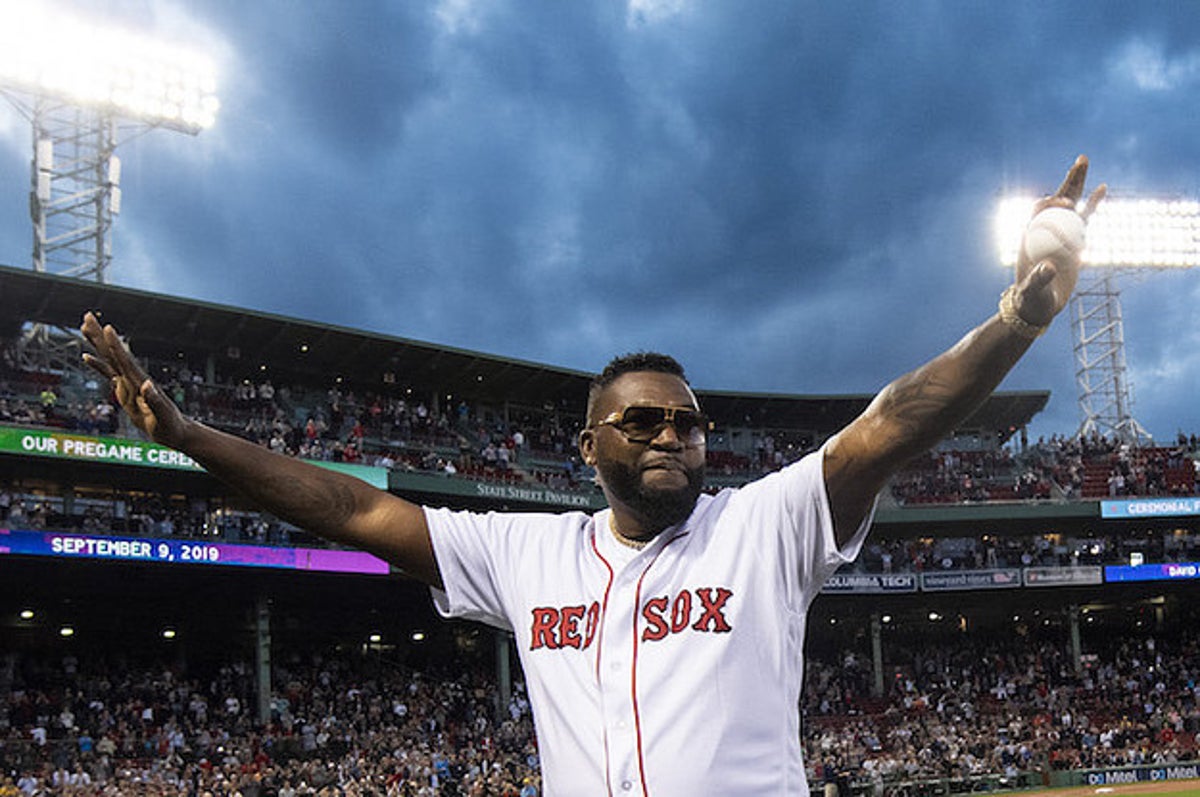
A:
(1009, 315)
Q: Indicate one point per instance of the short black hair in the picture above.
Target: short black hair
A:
(633, 362)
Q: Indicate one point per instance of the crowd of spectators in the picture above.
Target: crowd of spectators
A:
(340, 725)
(1008, 706)
(146, 514)
(961, 476)
(1094, 466)
(1069, 468)
(536, 446)
(338, 426)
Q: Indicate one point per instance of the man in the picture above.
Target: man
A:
(662, 637)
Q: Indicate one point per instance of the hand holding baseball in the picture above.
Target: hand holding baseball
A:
(1048, 263)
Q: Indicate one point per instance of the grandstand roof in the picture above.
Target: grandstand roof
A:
(243, 340)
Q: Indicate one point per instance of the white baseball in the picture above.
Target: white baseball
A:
(1056, 234)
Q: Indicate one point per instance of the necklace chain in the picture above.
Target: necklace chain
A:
(636, 545)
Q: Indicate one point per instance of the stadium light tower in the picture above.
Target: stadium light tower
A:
(82, 87)
(1124, 236)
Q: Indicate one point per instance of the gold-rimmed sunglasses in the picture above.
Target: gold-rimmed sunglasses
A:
(641, 423)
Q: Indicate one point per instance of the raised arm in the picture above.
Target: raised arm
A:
(332, 505)
(920, 408)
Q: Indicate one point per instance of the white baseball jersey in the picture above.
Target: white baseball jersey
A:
(673, 671)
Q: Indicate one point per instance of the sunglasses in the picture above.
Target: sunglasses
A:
(641, 423)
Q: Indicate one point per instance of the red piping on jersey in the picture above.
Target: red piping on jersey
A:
(637, 715)
(604, 603)
(600, 642)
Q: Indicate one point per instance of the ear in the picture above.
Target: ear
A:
(587, 446)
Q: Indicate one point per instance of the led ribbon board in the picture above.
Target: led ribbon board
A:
(1172, 571)
(191, 552)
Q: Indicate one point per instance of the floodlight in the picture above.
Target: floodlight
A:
(1123, 234)
(1137, 233)
(106, 68)
(84, 87)
(66, 631)
(27, 614)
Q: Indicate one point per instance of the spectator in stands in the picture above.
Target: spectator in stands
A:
(48, 399)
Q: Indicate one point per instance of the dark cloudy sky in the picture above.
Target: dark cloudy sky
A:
(789, 196)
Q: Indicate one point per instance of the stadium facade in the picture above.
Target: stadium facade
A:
(138, 552)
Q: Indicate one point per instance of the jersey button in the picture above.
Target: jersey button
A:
(626, 785)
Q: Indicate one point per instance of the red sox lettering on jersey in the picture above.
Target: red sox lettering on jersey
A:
(555, 628)
(690, 649)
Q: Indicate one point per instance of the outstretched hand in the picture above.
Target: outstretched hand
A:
(147, 406)
(1044, 288)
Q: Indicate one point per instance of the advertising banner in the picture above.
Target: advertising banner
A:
(192, 552)
(870, 583)
(1008, 578)
(1111, 777)
(1063, 576)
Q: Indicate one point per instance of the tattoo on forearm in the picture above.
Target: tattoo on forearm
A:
(916, 400)
(320, 507)
(926, 405)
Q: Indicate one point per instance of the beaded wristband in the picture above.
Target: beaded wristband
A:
(1009, 315)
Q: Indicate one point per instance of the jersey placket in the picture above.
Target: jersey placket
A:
(623, 726)
(616, 676)
(616, 684)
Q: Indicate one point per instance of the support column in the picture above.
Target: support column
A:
(877, 654)
(503, 673)
(68, 499)
(262, 658)
(1076, 647)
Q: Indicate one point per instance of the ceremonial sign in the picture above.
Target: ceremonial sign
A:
(1150, 507)
(120, 451)
(69, 445)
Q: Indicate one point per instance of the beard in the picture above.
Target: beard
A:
(658, 508)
